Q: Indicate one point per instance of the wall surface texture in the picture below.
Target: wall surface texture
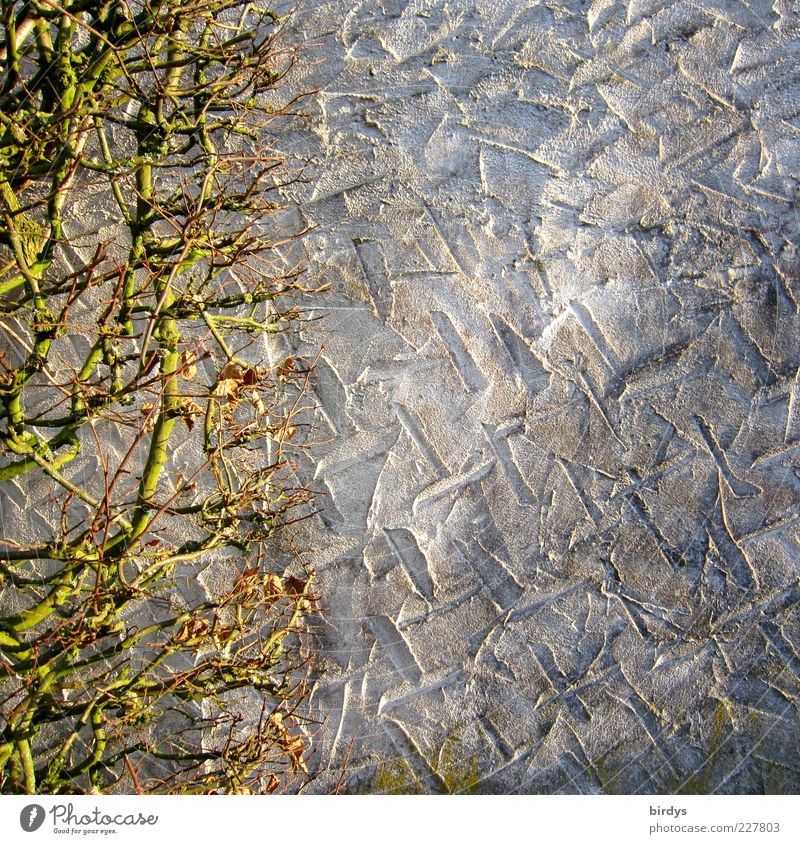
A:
(560, 394)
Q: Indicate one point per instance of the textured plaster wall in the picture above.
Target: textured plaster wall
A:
(560, 400)
(559, 395)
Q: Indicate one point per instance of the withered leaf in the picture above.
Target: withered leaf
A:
(285, 368)
(228, 387)
(283, 433)
(188, 364)
(150, 417)
(258, 404)
(230, 372)
(294, 585)
(272, 585)
(192, 629)
(189, 410)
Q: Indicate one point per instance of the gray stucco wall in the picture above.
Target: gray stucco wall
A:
(559, 394)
